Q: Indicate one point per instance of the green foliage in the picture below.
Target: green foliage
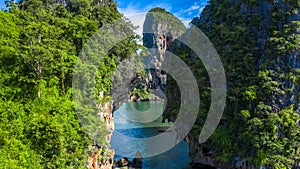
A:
(158, 16)
(250, 93)
(276, 136)
(15, 152)
(142, 92)
(40, 42)
(260, 120)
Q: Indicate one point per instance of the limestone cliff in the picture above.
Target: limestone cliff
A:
(264, 12)
(258, 42)
(159, 30)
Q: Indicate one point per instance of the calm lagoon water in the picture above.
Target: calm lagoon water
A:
(142, 120)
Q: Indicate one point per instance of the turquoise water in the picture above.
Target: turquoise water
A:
(129, 126)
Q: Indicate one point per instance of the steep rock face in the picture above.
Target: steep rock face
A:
(125, 79)
(156, 37)
(268, 39)
(159, 30)
(262, 33)
(264, 10)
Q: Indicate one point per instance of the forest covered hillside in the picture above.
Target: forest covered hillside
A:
(40, 43)
(258, 43)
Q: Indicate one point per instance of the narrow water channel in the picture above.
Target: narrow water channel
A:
(128, 125)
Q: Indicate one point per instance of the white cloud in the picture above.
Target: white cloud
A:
(131, 10)
(192, 8)
(136, 9)
(185, 21)
(190, 11)
(137, 15)
(202, 7)
(138, 19)
(200, 10)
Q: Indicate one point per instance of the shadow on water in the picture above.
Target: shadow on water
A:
(175, 158)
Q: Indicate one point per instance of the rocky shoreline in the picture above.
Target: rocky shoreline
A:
(124, 163)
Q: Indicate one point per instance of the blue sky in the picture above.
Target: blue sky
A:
(185, 10)
(2, 4)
